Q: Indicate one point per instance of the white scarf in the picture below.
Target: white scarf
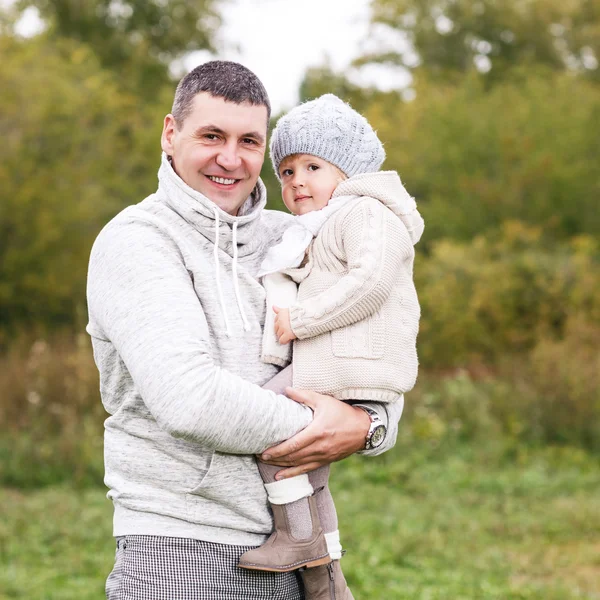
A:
(290, 251)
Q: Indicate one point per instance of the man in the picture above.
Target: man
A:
(175, 315)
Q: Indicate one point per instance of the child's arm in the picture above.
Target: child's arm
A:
(283, 326)
(377, 246)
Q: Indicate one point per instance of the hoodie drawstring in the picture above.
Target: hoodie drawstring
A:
(218, 277)
(236, 285)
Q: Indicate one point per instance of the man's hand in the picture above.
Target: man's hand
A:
(337, 431)
(283, 328)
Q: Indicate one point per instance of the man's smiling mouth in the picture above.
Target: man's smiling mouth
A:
(222, 180)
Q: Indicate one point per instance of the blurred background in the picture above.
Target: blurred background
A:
(490, 112)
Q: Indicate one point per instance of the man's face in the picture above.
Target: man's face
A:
(219, 149)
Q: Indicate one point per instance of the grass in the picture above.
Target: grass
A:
(467, 526)
(55, 543)
(460, 523)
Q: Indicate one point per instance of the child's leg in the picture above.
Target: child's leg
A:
(298, 511)
(319, 479)
(327, 514)
(317, 581)
(282, 380)
(298, 539)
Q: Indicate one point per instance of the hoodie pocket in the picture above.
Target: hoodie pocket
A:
(197, 489)
(364, 339)
(227, 471)
(233, 483)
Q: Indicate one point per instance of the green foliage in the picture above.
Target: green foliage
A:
(56, 544)
(473, 159)
(525, 319)
(500, 295)
(137, 38)
(324, 80)
(76, 149)
(450, 38)
(267, 174)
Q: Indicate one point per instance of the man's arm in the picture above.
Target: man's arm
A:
(141, 298)
(338, 430)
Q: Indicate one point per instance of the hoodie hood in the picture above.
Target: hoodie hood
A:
(386, 187)
(207, 218)
(236, 235)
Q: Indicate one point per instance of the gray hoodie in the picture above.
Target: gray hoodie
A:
(176, 316)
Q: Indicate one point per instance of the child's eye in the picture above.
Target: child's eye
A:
(313, 167)
(286, 172)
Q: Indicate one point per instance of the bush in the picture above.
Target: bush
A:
(562, 381)
(474, 157)
(497, 296)
(52, 415)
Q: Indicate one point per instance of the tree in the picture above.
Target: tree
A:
(475, 158)
(451, 37)
(76, 149)
(138, 38)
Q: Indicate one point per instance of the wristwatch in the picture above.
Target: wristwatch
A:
(377, 430)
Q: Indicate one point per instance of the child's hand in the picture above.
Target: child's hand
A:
(283, 328)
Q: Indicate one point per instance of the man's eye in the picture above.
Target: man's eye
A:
(211, 136)
(249, 141)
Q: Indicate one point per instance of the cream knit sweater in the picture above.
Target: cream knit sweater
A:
(357, 313)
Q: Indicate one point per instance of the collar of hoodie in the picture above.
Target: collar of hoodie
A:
(234, 235)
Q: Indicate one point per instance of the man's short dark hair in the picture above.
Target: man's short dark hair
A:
(222, 79)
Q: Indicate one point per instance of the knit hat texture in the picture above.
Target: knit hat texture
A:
(329, 128)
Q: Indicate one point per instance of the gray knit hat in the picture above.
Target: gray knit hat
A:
(332, 130)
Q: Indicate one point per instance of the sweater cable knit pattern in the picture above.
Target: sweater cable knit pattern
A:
(357, 312)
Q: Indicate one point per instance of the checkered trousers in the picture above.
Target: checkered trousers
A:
(165, 568)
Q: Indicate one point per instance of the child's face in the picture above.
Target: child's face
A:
(307, 182)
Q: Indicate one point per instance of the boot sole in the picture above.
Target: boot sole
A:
(325, 560)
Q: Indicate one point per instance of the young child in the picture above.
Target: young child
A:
(340, 285)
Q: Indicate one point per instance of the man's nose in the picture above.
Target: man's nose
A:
(228, 157)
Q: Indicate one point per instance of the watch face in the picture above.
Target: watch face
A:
(378, 436)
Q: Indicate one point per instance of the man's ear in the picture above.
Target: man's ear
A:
(168, 132)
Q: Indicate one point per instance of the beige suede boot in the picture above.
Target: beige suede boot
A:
(326, 583)
(281, 552)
